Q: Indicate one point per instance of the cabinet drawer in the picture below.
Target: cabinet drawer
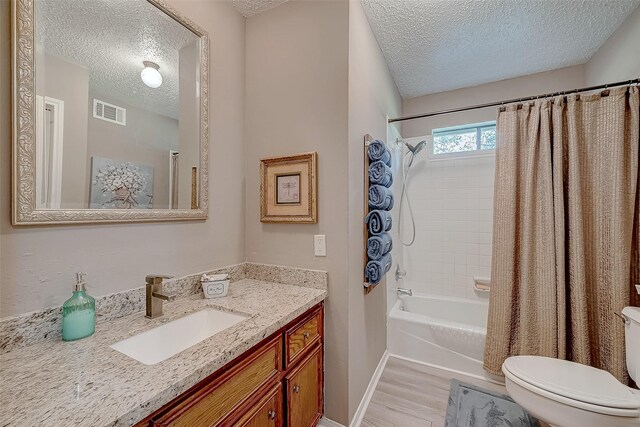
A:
(213, 402)
(304, 391)
(268, 412)
(303, 336)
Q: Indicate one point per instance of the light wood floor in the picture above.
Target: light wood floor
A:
(413, 395)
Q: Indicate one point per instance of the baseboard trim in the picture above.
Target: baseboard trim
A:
(364, 403)
(326, 422)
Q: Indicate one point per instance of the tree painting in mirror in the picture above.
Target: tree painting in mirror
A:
(120, 185)
(464, 138)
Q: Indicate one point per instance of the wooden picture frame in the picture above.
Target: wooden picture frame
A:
(288, 189)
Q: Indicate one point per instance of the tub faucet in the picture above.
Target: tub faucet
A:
(402, 291)
(155, 296)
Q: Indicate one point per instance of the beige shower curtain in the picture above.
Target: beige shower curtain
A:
(566, 233)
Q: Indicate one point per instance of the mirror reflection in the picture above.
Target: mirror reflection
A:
(117, 106)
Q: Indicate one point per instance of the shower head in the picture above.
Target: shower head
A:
(417, 148)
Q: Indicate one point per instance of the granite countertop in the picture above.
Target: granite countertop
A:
(85, 382)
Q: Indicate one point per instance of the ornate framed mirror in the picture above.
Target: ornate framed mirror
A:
(110, 112)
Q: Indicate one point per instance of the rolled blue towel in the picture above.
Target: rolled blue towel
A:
(379, 222)
(378, 246)
(380, 173)
(378, 151)
(380, 197)
(376, 269)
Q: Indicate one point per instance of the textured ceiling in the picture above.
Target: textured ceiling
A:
(112, 38)
(434, 46)
(249, 8)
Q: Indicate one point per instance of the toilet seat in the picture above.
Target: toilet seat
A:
(573, 384)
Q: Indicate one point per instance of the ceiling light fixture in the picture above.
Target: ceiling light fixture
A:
(150, 74)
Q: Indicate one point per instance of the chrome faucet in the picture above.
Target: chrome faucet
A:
(155, 297)
(402, 291)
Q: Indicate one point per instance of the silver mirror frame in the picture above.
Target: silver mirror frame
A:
(23, 198)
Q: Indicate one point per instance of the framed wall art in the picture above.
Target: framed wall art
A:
(288, 189)
(120, 185)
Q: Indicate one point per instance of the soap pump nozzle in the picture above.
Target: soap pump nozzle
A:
(80, 283)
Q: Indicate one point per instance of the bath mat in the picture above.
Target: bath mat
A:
(471, 406)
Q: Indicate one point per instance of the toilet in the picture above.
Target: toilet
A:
(569, 394)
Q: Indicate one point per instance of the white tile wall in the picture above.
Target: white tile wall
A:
(397, 251)
(452, 203)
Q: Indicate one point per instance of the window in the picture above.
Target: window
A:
(464, 139)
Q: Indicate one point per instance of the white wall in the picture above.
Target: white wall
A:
(296, 101)
(453, 199)
(37, 263)
(397, 253)
(372, 97)
(453, 206)
(619, 58)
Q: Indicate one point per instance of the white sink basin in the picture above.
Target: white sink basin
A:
(162, 342)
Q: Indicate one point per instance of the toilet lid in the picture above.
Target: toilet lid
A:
(573, 381)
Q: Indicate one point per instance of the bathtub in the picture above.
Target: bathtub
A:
(439, 331)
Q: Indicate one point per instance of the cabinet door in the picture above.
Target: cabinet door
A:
(304, 391)
(303, 336)
(268, 412)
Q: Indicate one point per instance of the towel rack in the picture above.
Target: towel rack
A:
(368, 287)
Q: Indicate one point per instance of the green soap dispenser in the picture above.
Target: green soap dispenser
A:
(78, 312)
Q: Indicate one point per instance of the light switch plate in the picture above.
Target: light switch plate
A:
(320, 245)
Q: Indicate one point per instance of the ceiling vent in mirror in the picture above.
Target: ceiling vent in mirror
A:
(109, 112)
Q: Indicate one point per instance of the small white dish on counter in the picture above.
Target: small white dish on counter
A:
(215, 286)
(162, 342)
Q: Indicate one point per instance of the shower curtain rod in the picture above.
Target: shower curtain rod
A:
(511, 101)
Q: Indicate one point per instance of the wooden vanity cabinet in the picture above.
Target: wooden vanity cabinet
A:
(268, 412)
(304, 391)
(301, 336)
(277, 383)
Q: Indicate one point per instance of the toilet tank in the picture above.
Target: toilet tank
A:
(632, 341)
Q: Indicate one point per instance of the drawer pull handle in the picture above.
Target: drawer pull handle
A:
(272, 415)
(306, 335)
(296, 389)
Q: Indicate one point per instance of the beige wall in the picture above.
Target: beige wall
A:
(297, 87)
(5, 135)
(146, 139)
(37, 263)
(189, 125)
(372, 97)
(70, 83)
(317, 81)
(619, 58)
(534, 84)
